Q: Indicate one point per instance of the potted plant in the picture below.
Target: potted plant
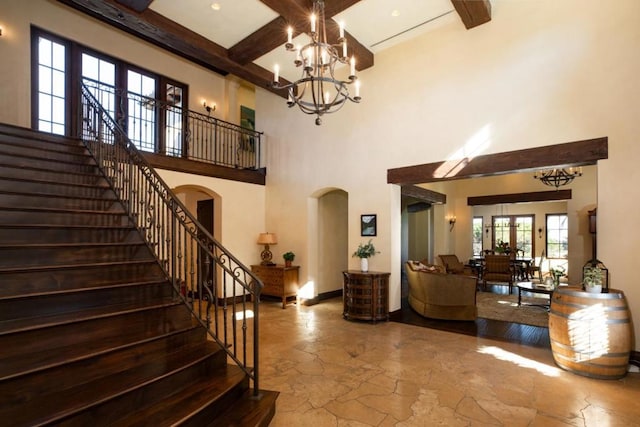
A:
(288, 258)
(592, 279)
(557, 273)
(364, 252)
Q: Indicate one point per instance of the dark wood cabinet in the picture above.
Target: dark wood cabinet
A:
(279, 281)
(366, 295)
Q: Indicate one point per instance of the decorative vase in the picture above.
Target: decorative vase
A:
(364, 265)
(288, 263)
(594, 289)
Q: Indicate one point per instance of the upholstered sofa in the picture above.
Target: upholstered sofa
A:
(438, 295)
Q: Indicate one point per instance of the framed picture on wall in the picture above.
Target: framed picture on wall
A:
(368, 225)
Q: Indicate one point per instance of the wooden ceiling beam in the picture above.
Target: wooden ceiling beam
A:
(580, 153)
(536, 196)
(137, 5)
(295, 13)
(169, 35)
(473, 12)
(423, 194)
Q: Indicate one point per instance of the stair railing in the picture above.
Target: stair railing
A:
(221, 292)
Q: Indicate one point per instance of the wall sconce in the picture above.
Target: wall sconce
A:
(267, 239)
(540, 233)
(209, 108)
(452, 223)
(0, 30)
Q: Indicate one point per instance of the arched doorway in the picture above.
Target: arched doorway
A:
(205, 206)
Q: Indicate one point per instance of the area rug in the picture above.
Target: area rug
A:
(505, 308)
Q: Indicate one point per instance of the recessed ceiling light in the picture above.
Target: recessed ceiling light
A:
(215, 6)
(395, 13)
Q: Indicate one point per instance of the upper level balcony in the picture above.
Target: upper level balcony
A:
(182, 140)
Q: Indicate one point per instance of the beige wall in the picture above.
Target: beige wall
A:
(541, 72)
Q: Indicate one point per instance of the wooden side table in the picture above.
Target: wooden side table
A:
(366, 295)
(279, 281)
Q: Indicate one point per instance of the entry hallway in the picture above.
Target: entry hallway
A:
(333, 372)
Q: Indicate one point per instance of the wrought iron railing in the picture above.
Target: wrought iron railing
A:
(220, 291)
(163, 127)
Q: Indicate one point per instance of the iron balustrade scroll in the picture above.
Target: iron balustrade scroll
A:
(218, 289)
(165, 128)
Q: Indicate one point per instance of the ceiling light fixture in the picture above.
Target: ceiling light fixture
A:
(318, 91)
(558, 177)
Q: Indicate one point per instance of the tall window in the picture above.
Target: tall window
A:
(516, 231)
(51, 89)
(476, 228)
(62, 65)
(557, 236)
(141, 110)
(100, 77)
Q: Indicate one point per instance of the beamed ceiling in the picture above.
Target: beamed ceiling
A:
(246, 37)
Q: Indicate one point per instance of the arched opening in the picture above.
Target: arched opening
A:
(328, 240)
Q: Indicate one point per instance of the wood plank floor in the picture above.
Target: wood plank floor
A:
(533, 336)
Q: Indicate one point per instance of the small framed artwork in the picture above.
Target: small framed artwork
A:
(368, 225)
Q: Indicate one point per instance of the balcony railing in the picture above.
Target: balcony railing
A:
(165, 128)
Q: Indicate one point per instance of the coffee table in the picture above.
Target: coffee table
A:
(536, 289)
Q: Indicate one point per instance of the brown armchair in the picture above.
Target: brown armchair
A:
(453, 265)
(497, 269)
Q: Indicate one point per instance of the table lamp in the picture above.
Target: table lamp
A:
(267, 239)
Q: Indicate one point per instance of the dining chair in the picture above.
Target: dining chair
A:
(497, 270)
(535, 269)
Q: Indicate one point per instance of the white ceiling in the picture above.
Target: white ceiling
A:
(376, 24)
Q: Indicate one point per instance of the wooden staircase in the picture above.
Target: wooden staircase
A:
(91, 330)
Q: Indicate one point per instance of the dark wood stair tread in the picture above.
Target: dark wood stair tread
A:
(114, 284)
(37, 322)
(113, 382)
(180, 406)
(42, 348)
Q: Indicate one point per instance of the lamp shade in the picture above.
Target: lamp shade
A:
(267, 239)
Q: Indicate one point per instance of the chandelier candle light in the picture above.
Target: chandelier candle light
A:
(318, 91)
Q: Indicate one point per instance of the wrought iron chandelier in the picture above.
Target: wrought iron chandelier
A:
(557, 177)
(318, 91)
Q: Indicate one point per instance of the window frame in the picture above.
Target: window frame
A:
(513, 232)
(473, 236)
(550, 254)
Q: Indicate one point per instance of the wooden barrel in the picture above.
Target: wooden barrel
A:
(590, 333)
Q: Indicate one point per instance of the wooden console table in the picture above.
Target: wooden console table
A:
(366, 295)
(279, 281)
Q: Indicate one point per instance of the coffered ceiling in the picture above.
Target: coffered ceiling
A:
(246, 37)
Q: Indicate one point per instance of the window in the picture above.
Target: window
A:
(142, 110)
(51, 86)
(557, 236)
(100, 77)
(62, 65)
(516, 231)
(476, 243)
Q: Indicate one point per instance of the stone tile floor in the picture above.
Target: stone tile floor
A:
(334, 372)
